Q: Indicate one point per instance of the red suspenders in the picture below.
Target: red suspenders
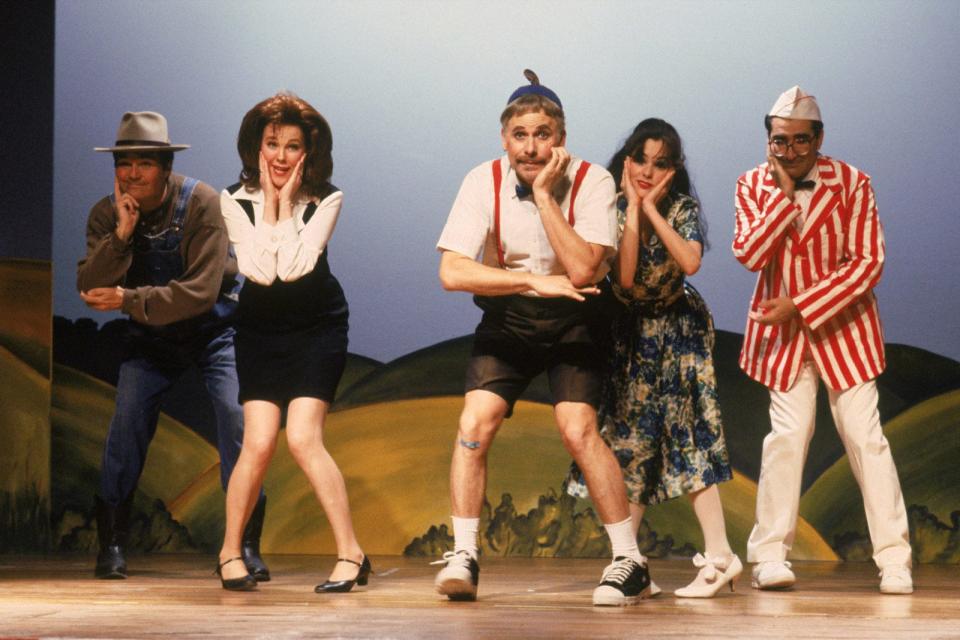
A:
(498, 179)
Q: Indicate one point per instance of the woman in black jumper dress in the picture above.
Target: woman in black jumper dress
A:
(292, 333)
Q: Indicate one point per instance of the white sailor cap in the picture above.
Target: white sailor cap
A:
(794, 104)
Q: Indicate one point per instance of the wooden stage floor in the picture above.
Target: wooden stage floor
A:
(176, 596)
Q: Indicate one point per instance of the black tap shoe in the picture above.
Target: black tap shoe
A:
(244, 583)
(342, 586)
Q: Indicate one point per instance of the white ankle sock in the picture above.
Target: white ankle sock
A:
(623, 541)
(465, 534)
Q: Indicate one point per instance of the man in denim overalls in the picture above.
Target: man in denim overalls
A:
(157, 250)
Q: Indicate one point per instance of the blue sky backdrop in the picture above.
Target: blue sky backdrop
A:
(413, 91)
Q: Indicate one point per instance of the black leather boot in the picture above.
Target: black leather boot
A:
(113, 525)
(250, 549)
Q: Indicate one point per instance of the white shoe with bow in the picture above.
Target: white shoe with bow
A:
(715, 572)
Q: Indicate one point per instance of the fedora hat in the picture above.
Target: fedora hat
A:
(143, 131)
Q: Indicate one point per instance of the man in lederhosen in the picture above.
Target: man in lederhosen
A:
(157, 250)
(530, 235)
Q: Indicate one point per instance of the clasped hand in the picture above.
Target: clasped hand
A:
(103, 298)
(775, 311)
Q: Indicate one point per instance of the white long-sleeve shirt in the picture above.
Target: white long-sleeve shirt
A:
(288, 250)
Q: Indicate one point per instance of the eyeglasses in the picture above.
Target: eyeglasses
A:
(801, 145)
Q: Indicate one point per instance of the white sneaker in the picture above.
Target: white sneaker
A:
(624, 581)
(715, 572)
(772, 574)
(895, 579)
(459, 578)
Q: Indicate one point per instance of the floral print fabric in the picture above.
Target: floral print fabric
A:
(659, 412)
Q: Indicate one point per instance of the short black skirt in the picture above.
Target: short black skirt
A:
(279, 367)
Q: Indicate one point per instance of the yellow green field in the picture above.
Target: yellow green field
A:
(25, 338)
(80, 415)
(395, 458)
(24, 406)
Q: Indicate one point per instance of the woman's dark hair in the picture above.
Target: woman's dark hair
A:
(287, 109)
(657, 129)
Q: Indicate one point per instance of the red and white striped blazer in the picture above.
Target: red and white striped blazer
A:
(828, 268)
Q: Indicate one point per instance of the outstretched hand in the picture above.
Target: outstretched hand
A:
(561, 287)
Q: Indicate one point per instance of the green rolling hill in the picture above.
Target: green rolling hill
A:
(912, 375)
(395, 458)
(24, 456)
(358, 368)
(25, 287)
(80, 415)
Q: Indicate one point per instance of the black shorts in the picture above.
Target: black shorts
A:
(521, 336)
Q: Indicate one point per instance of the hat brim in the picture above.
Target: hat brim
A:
(144, 147)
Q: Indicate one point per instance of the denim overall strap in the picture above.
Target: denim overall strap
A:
(156, 257)
(180, 210)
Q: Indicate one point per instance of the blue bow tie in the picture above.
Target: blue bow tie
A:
(523, 191)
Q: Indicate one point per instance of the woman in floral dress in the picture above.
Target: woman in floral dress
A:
(660, 413)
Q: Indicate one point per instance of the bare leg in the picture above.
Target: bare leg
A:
(483, 413)
(636, 516)
(305, 422)
(577, 422)
(709, 510)
(261, 425)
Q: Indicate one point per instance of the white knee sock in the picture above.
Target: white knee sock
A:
(465, 534)
(623, 541)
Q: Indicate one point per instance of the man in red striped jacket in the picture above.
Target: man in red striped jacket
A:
(808, 225)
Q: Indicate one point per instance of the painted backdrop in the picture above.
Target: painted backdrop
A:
(413, 91)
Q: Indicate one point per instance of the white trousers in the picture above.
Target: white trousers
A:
(792, 417)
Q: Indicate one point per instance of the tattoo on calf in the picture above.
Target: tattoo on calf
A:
(472, 444)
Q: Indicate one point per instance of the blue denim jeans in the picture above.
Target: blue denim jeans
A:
(142, 383)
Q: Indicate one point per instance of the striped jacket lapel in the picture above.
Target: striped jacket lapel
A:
(767, 184)
(825, 200)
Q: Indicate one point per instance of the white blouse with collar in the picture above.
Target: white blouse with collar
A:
(288, 250)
